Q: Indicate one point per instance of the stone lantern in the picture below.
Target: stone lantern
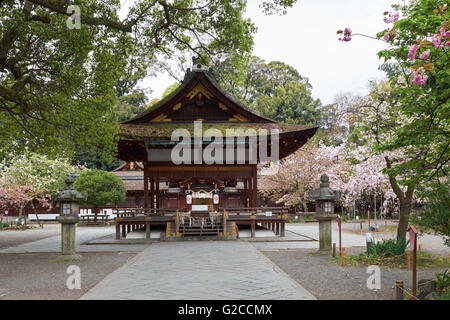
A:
(69, 199)
(325, 198)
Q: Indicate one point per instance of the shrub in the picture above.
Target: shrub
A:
(388, 248)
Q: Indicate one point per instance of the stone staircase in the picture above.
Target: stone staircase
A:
(201, 227)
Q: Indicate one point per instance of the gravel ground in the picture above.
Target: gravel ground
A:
(11, 238)
(328, 281)
(40, 276)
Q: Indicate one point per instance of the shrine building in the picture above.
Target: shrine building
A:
(199, 150)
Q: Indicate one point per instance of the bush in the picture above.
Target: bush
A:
(5, 225)
(388, 248)
(443, 280)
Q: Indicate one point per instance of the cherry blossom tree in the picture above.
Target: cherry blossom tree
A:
(30, 178)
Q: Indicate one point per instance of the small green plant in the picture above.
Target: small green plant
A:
(80, 223)
(5, 225)
(388, 248)
(443, 280)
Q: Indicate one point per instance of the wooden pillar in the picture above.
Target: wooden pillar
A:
(152, 193)
(250, 193)
(146, 204)
(277, 228)
(283, 232)
(246, 193)
(253, 229)
(117, 230)
(157, 193)
(147, 230)
(124, 231)
(255, 186)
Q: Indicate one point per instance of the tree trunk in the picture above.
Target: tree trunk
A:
(405, 199)
(37, 217)
(305, 206)
(405, 211)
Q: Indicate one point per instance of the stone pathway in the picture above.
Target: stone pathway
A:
(83, 235)
(210, 270)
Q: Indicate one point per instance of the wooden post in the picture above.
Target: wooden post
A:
(415, 266)
(157, 193)
(253, 229)
(117, 230)
(224, 223)
(124, 231)
(343, 256)
(399, 290)
(177, 223)
(408, 257)
(255, 186)
(283, 231)
(152, 193)
(146, 205)
(368, 217)
(277, 228)
(334, 250)
(147, 230)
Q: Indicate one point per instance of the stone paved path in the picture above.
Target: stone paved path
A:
(85, 234)
(211, 270)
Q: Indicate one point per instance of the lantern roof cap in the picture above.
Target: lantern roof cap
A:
(324, 192)
(68, 193)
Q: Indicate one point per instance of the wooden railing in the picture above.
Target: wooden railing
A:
(258, 211)
(149, 212)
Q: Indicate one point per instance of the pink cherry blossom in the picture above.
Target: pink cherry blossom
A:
(347, 35)
(444, 34)
(425, 54)
(419, 77)
(437, 42)
(386, 36)
(412, 52)
(447, 44)
(395, 33)
(396, 16)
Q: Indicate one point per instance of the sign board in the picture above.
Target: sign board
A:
(188, 199)
(216, 199)
(200, 208)
(202, 195)
(412, 236)
(268, 213)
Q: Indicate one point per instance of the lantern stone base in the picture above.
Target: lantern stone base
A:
(325, 240)
(68, 249)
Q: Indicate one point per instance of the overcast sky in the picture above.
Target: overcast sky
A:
(306, 39)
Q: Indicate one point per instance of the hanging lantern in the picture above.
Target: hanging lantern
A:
(189, 199)
(216, 199)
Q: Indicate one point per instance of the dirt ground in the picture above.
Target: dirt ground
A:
(42, 276)
(328, 281)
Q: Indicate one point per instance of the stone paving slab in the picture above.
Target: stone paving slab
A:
(210, 270)
(83, 235)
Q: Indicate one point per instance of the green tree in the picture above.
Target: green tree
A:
(58, 85)
(290, 103)
(436, 212)
(101, 188)
(170, 89)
